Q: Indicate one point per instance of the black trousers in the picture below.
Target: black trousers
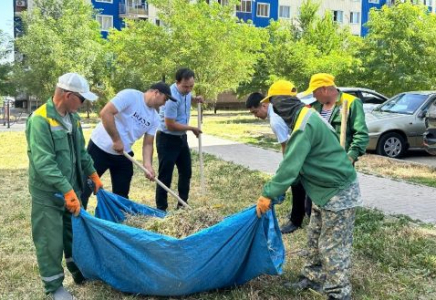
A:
(172, 150)
(301, 204)
(120, 168)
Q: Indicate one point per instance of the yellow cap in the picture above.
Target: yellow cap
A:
(319, 80)
(280, 88)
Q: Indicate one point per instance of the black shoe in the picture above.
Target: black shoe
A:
(348, 297)
(304, 284)
(289, 227)
(79, 279)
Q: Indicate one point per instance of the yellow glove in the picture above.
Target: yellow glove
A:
(97, 182)
(72, 203)
(263, 205)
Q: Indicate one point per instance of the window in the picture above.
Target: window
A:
(338, 16)
(104, 1)
(245, 6)
(428, 2)
(354, 17)
(262, 10)
(223, 2)
(285, 12)
(106, 22)
(374, 1)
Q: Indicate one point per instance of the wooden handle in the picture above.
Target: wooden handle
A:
(157, 180)
(344, 120)
(200, 152)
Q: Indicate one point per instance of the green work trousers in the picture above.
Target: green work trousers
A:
(53, 237)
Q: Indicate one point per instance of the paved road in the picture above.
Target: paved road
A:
(390, 196)
(420, 156)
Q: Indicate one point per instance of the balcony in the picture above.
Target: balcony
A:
(133, 9)
(20, 6)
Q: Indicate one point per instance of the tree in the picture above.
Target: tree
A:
(6, 87)
(204, 37)
(59, 37)
(311, 44)
(400, 49)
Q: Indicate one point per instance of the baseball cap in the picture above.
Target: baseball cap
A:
(319, 80)
(280, 88)
(164, 89)
(74, 82)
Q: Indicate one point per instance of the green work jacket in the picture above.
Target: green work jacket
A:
(313, 155)
(57, 159)
(357, 137)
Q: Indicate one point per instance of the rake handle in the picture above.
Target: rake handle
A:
(160, 183)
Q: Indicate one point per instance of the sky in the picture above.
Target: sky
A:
(7, 17)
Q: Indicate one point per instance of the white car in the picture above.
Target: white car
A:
(370, 98)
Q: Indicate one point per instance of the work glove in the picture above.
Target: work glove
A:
(263, 205)
(97, 182)
(72, 203)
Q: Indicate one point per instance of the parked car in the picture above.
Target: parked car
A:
(370, 98)
(398, 124)
(430, 132)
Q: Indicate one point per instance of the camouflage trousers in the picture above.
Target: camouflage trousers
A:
(330, 238)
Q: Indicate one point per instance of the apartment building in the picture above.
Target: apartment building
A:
(352, 13)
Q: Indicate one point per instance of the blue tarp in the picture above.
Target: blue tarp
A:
(232, 252)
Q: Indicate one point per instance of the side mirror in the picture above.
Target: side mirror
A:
(422, 114)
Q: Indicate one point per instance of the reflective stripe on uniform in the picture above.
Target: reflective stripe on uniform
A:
(42, 112)
(52, 278)
(302, 119)
(349, 98)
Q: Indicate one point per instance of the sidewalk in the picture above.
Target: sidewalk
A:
(390, 196)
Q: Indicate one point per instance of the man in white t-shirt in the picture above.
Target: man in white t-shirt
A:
(265, 111)
(130, 115)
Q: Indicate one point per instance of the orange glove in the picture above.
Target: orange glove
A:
(263, 205)
(72, 203)
(97, 182)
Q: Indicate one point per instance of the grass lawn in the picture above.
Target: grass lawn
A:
(393, 257)
(241, 126)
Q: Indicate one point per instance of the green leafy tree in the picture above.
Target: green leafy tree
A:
(6, 87)
(400, 49)
(206, 38)
(311, 44)
(59, 37)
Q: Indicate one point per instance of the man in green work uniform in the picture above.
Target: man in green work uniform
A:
(313, 154)
(330, 104)
(57, 161)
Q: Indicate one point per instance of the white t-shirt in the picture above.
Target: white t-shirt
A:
(278, 125)
(133, 120)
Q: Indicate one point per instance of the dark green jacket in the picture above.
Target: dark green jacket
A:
(313, 155)
(57, 159)
(357, 137)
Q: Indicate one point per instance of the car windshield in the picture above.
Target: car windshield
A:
(403, 104)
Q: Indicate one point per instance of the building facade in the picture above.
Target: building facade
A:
(352, 13)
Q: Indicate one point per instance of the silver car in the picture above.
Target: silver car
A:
(398, 124)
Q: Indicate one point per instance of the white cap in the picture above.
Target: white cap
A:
(74, 82)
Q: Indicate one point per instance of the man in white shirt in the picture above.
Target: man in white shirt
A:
(281, 130)
(130, 115)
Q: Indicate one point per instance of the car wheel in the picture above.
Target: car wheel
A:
(392, 145)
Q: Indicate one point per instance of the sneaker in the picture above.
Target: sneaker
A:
(304, 284)
(62, 294)
(289, 227)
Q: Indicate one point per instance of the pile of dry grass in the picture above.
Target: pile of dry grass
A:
(179, 224)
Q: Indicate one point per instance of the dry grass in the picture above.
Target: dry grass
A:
(178, 224)
(393, 258)
(397, 169)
